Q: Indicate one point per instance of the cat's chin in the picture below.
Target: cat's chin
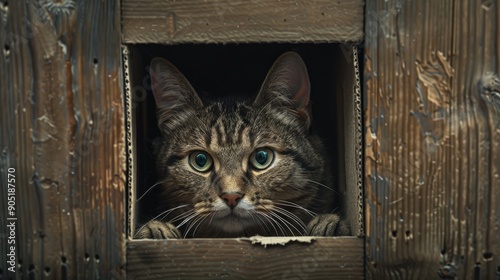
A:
(232, 226)
(232, 223)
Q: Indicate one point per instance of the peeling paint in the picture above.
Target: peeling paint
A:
(434, 95)
(44, 129)
(436, 77)
(63, 46)
(267, 240)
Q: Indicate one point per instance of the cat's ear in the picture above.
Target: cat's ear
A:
(287, 83)
(172, 91)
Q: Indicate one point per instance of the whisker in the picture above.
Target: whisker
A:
(211, 218)
(285, 221)
(187, 219)
(206, 216)
(182, 216)
(293, 217)
(146, 192)
(271, 222)
(322, 185)
(259, 221)
(218, 232)
(198, 218)
(271, 219)
(295, 205)
(172, 209)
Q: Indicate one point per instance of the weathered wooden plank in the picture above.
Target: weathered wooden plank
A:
(17, 145)
(432, 155)
(219, 21)
(14, 119)
(325, 258)
(64, 134)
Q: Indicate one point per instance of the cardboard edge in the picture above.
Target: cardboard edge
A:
(130, 135)
(359, 139)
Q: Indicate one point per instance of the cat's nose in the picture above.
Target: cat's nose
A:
(231, 199)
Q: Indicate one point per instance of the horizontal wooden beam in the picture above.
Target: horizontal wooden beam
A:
(220, 21)
(324, 258)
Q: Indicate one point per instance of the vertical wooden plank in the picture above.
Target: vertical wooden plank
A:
(65, 137)
(477, 67)
(432, 159)
(16, 141)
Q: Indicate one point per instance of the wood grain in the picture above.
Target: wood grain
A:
(62, 130)
(432, 157)
(221, 21)
(325, 258)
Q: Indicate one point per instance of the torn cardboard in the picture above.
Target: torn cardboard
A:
(280, 240)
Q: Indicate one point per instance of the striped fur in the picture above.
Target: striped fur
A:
(287, 198)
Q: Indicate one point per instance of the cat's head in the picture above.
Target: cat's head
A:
(239, 167)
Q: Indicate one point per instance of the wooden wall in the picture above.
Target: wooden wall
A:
(62, 130)
(432, 139)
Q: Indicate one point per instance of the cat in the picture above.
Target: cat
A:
(238, 167)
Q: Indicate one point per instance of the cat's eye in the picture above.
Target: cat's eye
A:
(262, 158)
(200, 161)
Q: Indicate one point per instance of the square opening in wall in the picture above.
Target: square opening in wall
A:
(239, 140)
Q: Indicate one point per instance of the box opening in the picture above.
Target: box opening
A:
(240, 69)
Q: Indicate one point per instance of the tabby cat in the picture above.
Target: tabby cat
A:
(236, 167)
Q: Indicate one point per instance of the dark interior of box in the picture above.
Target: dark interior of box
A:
(238, 69)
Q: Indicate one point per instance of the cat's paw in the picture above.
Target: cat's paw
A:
(158, 230)
(328, 225)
